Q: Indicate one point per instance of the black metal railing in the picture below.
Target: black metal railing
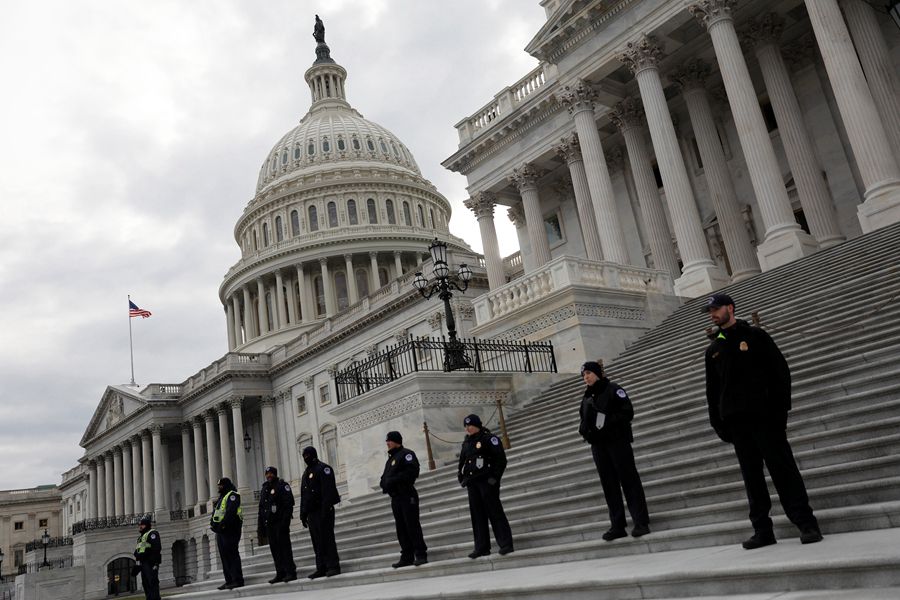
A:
(53, 543)
(436, 354)
(56, 563)
(107, 523)
(181, 515)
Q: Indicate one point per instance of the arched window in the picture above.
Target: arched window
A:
(340, 290)
(297, 152)
(279, 230)
(313, 219)
(119, 578)
(351, 212)
(255, 242)
(383, 146)
(421, 216)
(295, 223)
(311, 149)
(341, 145)
(319, 290)
(370, 145)
(407, 217)
(303, 440)
(389, 205)
(373, 210)
(383, 276)
(332, 215)
(326, 145)
(431, 210)
(265, 234)
(356, 145)
(362, 282)
(284, 157)
(274, 164)
(329, 446)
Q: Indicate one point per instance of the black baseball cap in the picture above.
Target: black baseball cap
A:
(716, 301)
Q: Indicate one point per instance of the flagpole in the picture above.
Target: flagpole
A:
(130, 343)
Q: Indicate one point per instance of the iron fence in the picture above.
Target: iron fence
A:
(107, 523)
(54, 542)
(439, 354)
(181, 515)
(56, 563)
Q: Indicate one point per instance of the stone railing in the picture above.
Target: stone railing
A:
(563, 272)
(504, 103)
(233, 361)
(163, 390)
(513, 265)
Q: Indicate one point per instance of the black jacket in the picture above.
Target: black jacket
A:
(609, 398)
(153, 555)
(318, 490)
(400, 472)
(481, 458)
(276, 505)
(746, 374)
(231, 523)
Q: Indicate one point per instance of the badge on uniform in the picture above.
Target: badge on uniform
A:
(744, 347)
(478, 445)
(287, 488)
(272, 491)
(479, 463)
(495, 441)
(274, 508)
(152, 536)
(393, 462)
(621, 393)
(310, 475)
(601, 420)
(232, 498)
(409, 458)
(327, 471)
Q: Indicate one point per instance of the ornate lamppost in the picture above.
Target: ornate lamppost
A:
(45, 540)
(454, 354)
(247, 442)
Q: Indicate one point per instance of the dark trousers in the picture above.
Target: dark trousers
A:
(228, 544)
(759, 441)
(615, 465)
(484, 506)
(280, 546)
(150, 581)
(409, 530)
(321, 532)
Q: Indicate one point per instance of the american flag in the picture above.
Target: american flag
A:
(134, 311)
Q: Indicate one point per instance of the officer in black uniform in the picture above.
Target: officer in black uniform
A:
(148, 556)
(606, 414)
(276, 508)
(318, 495)
(482, 462)
(398, 481)
(748, 390)
(227, 521)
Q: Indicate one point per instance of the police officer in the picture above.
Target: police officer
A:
(606, 414)
(482, 461)
(148, 556)
(276, 507)
(318, 495)
(397, 480)
(226, 521)
(748, 390)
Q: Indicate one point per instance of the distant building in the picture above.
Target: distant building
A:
(24, 516)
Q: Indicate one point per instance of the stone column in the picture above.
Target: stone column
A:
(815, 197)
(569, 150)
(875, 58)
(784, 240)
(199, 467)
(101, 487)
(328, 286)
(525, 179)
(118, 483)
(236, 316)
(374, 280)
(306, 313)
(261, 308)
(270, 440)
(699, 273)
(166, 476)
(187, 464)
(482, 204)
(579, 100)
(212, 454)
(279, 299)
(352, 290)
(250, 330)
(691, 78)
(240, 460)
(109, 484)
(398, 264)
(224, 440)
(229, 324)
(877, 164)
(291, 300)
(147, 472)
(127, 478)
(93, 511)
(137, 476)
(628, 116)
(159, 497)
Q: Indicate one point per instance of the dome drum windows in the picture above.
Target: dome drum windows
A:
(265, 234)
(341, 145)
(370, 144)
(356, 144)
(407, 216)
(326, 145)
(295, 223)
(352, 217)
(313, 218)
(279, 230)
(284, 157)
(389, 206)
(372, 209)
(332, 215)
(311, 148)
(297, 152)
(384, 148)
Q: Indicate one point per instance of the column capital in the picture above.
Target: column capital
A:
(373, 255)
(348, 256)
(333, 369)
(308, 382)
(156, 429)
(482, 204)
(197, 422)
(401, 336)
(627, 114)
(236, 402)
(267, 401)
(525, 177)
(223, 408)
(762, 31)
(644, 53)
(371, 351)
(210, 416)
(569, 148)
(117, 451)
(710, 12)
(135, 440)
(577, 96)
(323, 262)
(516, 214)
(259, 280)
(800, 52)
(186, 426)
(434, 321)
(92, 463)
(397, 252)
(615, 158)
(145, 434)
(690, 75)
(125, 442)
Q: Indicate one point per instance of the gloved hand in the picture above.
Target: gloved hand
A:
(304, 521)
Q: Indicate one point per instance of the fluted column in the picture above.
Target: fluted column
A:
(691, 78)
(101, 487)
(291, 299)
(109, 484)
(159, 497)
(525, 179)
(229, 324)
(93, 508)
(482, 204)
(118, 480)
(398, 264)
(279, 299)
(579, 100)
(137, 477)
(240, 460)
(127, 479)
(147, 471)
(270, 441)
(236, 316)
(784, 240)
(628, 116)
(199, 467)
(815, 197)
(224, 440)
(374, 280)
(306, 308)
(352, 290)
(699, 273)
(212, 454)
(187, 464)
(570, 150)
(250, 330)
(261, 307)
(877, 164)
(328, 286)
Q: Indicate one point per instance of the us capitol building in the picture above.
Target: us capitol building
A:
(659, 151)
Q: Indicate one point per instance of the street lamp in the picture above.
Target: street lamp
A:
(45, 540)
(454, 357)
(247, 441)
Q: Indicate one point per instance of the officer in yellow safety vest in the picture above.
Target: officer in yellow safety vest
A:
(227, 521)
(148, 555)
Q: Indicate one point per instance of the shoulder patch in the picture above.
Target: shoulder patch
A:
(327, 470)
(495, 441)
(409, 457)
(621, 393)
(152, 536)
(232, 498)
(287, 488)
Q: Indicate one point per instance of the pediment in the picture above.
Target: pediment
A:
(559, 21)
(116, 404)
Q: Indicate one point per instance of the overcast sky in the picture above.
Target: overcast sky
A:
(131, 135)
